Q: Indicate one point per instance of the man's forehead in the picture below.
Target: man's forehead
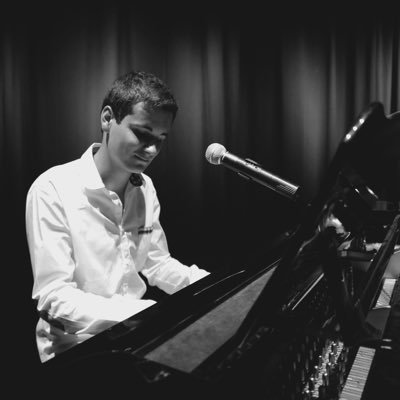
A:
(142, 115)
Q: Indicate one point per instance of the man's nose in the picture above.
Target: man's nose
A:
(150, 149)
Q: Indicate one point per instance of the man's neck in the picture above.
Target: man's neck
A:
(114, 179)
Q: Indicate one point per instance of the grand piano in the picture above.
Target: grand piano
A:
(317, 319)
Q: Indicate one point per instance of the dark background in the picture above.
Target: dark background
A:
(279, 87)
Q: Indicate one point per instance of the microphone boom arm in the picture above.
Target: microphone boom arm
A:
(251, 170)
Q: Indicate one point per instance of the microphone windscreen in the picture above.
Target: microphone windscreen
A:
(214, 153)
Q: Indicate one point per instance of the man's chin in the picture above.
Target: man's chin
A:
(138, 168)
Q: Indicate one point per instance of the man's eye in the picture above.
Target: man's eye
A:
(139, 134)
(148, 138)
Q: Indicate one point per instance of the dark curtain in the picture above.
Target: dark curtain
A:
(279, 88)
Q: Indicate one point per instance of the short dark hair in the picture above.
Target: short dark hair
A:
(136, 87)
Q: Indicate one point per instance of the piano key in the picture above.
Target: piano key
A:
(365, 364)
(358, 374)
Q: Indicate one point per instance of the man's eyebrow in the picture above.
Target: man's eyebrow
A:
(147, 127)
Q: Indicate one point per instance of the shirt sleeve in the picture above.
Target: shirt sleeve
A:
(53, 266)
(161, 269)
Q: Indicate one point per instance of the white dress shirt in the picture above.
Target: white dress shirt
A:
(87, 250)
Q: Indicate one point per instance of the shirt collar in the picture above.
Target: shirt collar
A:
(91, 177)
(90, 174)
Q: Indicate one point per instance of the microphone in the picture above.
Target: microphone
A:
(217, 154)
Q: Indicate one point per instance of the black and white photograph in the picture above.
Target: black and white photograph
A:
(202, 201)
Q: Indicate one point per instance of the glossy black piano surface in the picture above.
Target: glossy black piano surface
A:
(288, 328)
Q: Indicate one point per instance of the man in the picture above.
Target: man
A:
(93, 225)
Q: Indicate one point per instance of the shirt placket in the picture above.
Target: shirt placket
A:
(124, 242)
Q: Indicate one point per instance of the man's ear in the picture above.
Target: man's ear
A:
(105, 118)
